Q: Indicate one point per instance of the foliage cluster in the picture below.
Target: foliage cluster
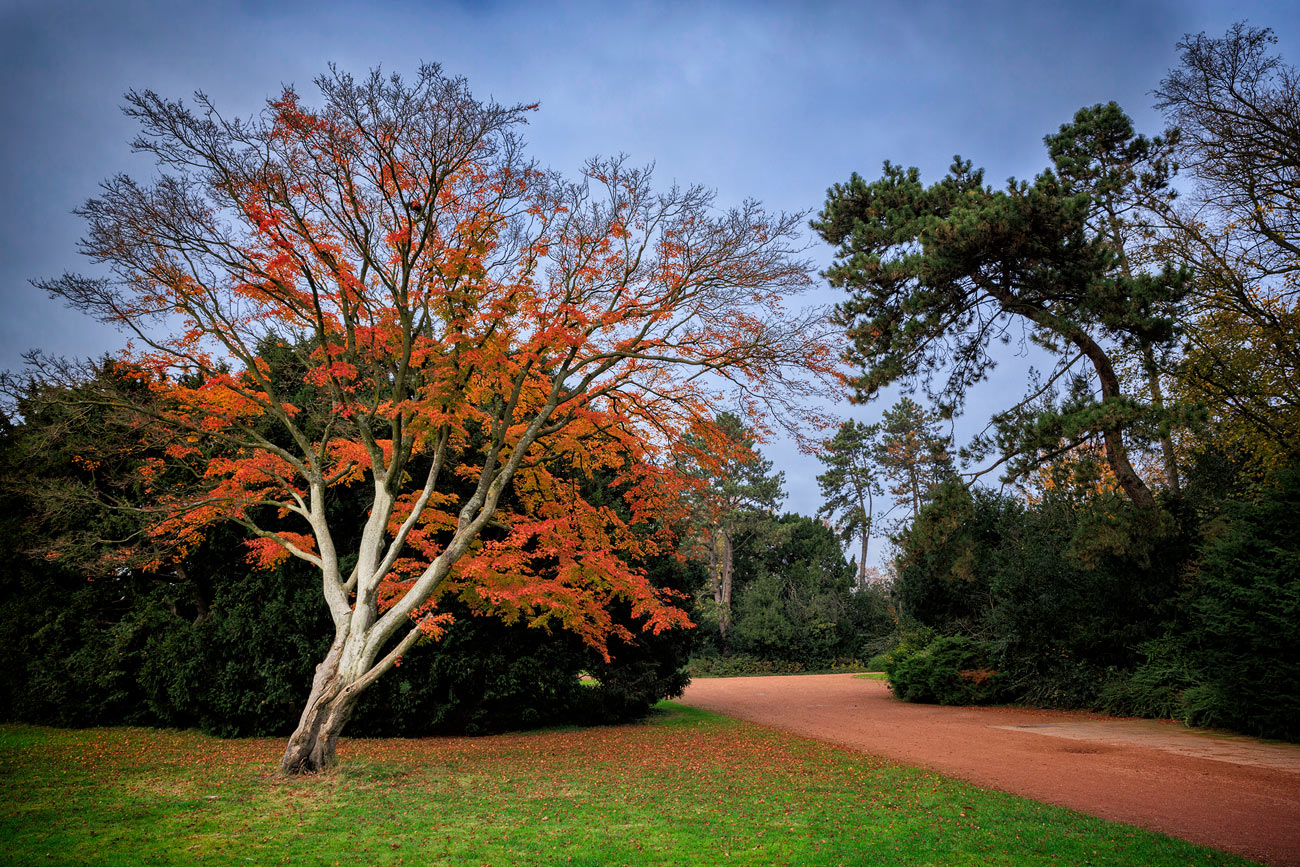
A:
(953, 669)
(1091, 602)
(212, 642)
(797, 607)
(244, 667)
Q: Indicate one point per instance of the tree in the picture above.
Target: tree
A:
(1126, 177)
(913, 453)
(935, 274)
(1244, 601)
(848, 486)
(734, 494)
(1239, 108)
(797, 602)
(1064, 590)
(442, 298)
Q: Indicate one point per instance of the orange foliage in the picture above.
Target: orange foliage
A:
(382, 295)
(1082, 472)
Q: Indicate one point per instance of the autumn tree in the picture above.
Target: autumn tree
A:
(913, 454)
(1238, 105)
(850, 482)
(734, 493)
(937, 274)
(455, 314)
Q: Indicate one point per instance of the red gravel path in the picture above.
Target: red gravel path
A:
(1229, 792)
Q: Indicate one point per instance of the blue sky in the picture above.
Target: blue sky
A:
(769, 100)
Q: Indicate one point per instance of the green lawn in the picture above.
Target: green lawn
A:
(686, 788)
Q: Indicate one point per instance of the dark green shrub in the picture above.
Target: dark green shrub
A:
(1064, 590)
(950, 670)
(877, 662)
(794, 601)
(944, 559)
(211, 643)
(482, 676)
(1244, 617)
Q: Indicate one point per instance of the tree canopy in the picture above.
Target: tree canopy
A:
(734, 493)
(450, 310)
(849, 484)
(937, 274)
(1237, 105)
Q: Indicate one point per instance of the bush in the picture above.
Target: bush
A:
(1064, 591)
(210, 643)
(794, 599)
(1243, 643)
(1156, 688)
(740, 664)
(877, 662)
(950, 670)
(243, 666)
(944, 559)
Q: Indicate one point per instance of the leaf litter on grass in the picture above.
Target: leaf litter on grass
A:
(685, 788)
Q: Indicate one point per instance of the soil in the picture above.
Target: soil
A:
(1222, 790)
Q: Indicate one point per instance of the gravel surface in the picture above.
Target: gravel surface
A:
(1225, 791)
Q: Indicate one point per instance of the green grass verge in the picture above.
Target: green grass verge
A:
(686, 788)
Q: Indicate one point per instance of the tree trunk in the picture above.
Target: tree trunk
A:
(915, 482)
(1113, 437)
(329, 707)
(862, 563)
(721, 555)
(1158, 401)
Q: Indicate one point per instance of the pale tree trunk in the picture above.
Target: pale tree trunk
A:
(346, 672)
(915, 481)
(1158, 401)
(311, 747)
(862, 563)
(329, 707)
(866, 508)
(721, 556)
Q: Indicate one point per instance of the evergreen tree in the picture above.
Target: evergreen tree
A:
(735, 492)
(913, 453)
(1126, 177)
(936, 274)
(848, 485)
(796, 604)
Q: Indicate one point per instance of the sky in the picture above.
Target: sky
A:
(774, 101)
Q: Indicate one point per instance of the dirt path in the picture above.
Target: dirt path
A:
(1229, 792)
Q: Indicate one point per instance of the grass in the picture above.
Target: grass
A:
(686, 788)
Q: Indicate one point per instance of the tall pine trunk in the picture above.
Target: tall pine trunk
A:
(862, 563)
